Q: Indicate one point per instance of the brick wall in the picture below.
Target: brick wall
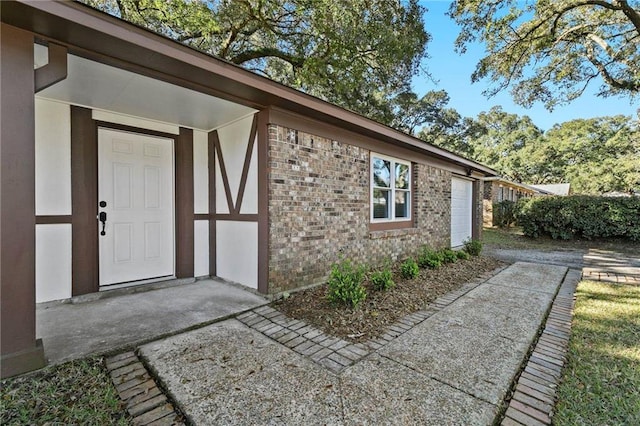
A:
(319, 209)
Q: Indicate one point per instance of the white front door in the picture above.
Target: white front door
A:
(461, 210)
(135, 191)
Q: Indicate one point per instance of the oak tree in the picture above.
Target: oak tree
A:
(358, 54)
(551, 50)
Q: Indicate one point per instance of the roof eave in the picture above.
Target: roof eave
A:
(120, 43)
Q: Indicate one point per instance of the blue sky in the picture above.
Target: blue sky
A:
(452, 73)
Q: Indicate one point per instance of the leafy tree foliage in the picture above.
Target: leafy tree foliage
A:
(359, 54)
(595, 155)
(550, 50)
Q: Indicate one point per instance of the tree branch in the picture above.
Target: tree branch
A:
(606, 76)
(266, 52)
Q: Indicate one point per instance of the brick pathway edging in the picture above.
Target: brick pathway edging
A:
(534, 395)
(144, 400)
(332, 352)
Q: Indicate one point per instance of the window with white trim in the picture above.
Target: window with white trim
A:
(390, 189)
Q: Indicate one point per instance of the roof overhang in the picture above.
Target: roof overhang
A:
(103, 38)
(516, 184)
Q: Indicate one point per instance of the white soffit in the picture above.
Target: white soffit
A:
(101, 86)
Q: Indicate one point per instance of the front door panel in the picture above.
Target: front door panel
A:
(135, 185)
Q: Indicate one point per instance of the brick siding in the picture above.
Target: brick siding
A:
(319, 209)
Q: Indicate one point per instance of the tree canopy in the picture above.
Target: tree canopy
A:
(359, 54)
(595, 155)
(550, 50)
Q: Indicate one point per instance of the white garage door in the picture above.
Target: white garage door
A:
(461, 208)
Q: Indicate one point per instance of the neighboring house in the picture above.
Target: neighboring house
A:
(128, 158)
(555, 188)
(497, 189)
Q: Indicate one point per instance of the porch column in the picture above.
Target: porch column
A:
(20, 351)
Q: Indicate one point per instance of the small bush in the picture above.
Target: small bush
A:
(345, 284)
(473, 247)
(429, 259)
(463, 255)
(505, 213)
(581, 216)
(409, 269)
(382, 279)
(448, 255)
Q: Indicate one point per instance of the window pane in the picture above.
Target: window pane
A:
(381, 203)
(381, 172)
(402, 176)
(402, 204)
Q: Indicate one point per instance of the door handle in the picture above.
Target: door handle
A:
(102, 216)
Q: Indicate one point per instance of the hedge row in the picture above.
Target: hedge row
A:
(581, 216)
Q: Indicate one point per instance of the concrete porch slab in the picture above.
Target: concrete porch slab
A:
(75, 330)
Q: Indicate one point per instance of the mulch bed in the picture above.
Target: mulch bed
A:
(382, 308)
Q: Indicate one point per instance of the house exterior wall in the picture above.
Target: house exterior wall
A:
(236, 201)
(233, 233)
(53, 198)
(497, 191)
(319, 209)
(200, 203)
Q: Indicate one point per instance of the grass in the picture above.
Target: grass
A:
(601, 382)
(513, 238)
(77, 392)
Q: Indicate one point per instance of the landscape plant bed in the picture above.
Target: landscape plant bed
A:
(380, 309)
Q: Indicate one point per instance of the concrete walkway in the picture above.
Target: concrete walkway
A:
(75, 330)
(454, 367)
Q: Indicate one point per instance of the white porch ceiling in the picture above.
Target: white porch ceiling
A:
(104, 87)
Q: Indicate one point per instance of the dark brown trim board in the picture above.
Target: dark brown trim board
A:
(245, 166)
(262, 130)
(52, 219)
(55, 70)
(476, 211)
(223, 170)
(20, 352)
(85, 275)
(238, 217)
(211, 153)
(201, 216)
(184, 204)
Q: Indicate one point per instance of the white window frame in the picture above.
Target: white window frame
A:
(392, 188)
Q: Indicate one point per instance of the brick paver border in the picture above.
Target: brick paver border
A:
(144, 401)
(534, 396)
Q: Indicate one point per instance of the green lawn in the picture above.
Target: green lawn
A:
(78, 392)
(512, 238)
(601, 382)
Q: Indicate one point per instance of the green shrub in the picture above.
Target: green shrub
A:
(505, 213)
(429, 258)
(448, 255)
(473, 247)
(382, 279)
(409, 269)
(463, 255)
(345, 284)
(581, 216)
